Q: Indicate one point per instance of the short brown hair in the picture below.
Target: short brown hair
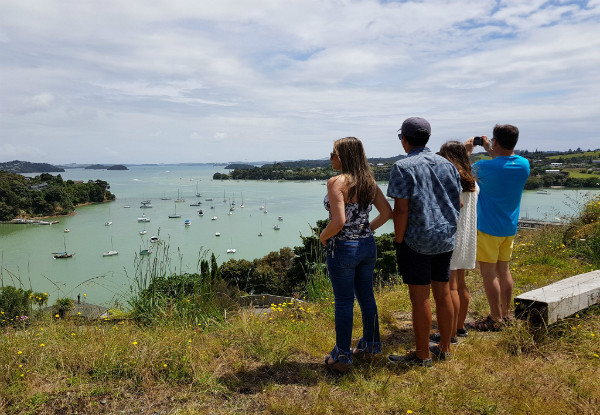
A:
(506, 136)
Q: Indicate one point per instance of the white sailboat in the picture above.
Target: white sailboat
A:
(112, 251)
(198, 194)
(179, 198)
(242, 205)
(174, 215)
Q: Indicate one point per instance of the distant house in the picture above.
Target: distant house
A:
(552, 171)
(39, 186)
(596, 161)
(556, 164)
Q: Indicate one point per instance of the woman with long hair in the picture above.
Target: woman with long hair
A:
(463, 257)
(351, 250)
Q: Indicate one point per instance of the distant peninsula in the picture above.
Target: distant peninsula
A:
(103, 167)
(573, 169)
(17, 166)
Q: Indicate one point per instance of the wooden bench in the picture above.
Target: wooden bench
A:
(561, 299)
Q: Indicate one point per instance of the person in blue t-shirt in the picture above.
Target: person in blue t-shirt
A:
(501, 181)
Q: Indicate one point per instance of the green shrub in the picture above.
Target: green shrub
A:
(15, 305)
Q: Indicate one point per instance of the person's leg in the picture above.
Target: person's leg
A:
(455, 300)
(363, 290)
(464, 297)
(341, 274)
(492, 289)
(505, 279)
(421, 318)
(505, 282)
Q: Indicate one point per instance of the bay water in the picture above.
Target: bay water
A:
(26, 250)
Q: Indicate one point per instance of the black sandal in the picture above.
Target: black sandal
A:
(486, 324)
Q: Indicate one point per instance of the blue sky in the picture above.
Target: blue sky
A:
(212, 81)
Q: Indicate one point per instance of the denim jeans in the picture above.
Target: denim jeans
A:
(350, 264)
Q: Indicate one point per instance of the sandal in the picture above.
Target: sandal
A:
(486, 324)
(336, 366)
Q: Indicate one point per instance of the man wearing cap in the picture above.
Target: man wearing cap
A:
(501, 182)
(426, 190)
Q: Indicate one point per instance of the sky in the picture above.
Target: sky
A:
(167, 81)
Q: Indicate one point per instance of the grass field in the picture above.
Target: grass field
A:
(271, 361)
(590, 154)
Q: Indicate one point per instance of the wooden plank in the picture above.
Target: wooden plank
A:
(561, 299)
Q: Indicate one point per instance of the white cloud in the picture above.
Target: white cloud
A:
(281, 80)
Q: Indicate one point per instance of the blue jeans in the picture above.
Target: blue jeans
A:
(350, 265)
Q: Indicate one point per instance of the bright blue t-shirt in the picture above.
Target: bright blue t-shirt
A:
(501, 182)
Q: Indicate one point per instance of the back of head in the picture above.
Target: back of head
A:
(506, 136)
(416, 131)
(456, 153)
(361, 182)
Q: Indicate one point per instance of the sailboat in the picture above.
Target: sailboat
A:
(165, 197)
(198, 194)
(174, 215)
(64, 254)
(179, 198)
(112, 251)
(242, 205)
(224, 198)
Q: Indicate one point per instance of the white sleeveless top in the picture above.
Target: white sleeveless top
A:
(465, 252)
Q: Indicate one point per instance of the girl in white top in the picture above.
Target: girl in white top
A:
(463, 257)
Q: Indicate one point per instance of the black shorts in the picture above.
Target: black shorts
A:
(421, 269)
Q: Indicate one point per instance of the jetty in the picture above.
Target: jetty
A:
(525, 223)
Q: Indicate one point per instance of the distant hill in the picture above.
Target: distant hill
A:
(103, 167)
(233, 166)
(17, 166)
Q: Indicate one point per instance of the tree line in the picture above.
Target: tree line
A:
(47, 195)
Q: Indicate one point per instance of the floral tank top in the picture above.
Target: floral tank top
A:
(357, 221)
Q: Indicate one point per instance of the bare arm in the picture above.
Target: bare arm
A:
(384, 208)
(400, 218)
(335, 194)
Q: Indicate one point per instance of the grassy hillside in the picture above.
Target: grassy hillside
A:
(271, 361)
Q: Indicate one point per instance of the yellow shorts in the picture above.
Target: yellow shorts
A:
(494, 248)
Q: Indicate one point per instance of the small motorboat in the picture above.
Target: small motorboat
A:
(107, 223)
(217, 233)
(67, 230)
(110, 253)
(187, 222)
(276, 227)
(154, 239)
(231, 250)
(214, 218)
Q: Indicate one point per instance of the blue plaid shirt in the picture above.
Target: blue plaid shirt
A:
(432, 186)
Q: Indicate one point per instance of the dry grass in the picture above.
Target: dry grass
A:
(272, 362)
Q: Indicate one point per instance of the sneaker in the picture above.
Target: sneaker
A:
(409, 359)
(486, 324)
(462, 332)
(438, 354)
(435, 337)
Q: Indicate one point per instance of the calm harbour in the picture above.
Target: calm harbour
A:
(26, 250)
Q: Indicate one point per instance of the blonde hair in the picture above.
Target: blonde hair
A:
(360, 180)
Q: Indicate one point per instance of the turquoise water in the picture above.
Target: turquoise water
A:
(26, 250)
